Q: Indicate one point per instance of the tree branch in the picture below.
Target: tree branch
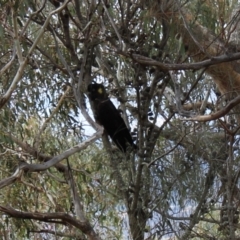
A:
(184, 66)
(64, 218)
(67, 153)
(9, 64)
(58, 233)
(217, 114)
(55, 160)
(166, 153)
(53, 112)
(23, 61)
(113, 25)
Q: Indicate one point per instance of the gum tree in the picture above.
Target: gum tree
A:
(172, 69)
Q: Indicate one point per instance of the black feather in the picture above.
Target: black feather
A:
(109, 117)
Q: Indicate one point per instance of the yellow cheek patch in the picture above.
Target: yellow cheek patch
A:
(100, 91)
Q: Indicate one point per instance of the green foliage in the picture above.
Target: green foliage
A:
(183, 172)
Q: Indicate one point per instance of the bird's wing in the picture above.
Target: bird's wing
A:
(114, 124)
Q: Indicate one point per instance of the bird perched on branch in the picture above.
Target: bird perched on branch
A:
(109, 117)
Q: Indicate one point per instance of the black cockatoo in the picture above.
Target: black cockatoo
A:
(109, 117)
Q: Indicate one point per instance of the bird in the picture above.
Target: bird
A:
(109, 117)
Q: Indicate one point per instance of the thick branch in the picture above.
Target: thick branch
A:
(64, 218)
(66, 154)
(217, 114)
(185, 66)
(55, 160)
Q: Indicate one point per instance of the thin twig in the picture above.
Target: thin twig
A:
(9, 64)
(24, 61)
(44, 126)
(166, 153)
(113, 25)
